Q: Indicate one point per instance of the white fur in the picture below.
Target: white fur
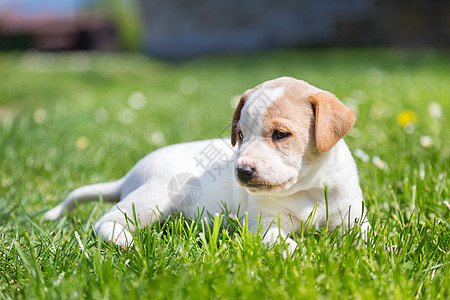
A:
(147, 186)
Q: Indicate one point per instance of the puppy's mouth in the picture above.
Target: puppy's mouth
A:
(262, 186)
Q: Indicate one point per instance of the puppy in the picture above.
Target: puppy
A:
(286, 147)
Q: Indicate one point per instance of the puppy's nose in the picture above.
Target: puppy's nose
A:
(245, 173)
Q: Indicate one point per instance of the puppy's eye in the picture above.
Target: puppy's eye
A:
(279, 135)
(241, 135)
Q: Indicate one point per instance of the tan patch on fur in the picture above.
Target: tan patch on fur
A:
(291, 113)
(333, 120)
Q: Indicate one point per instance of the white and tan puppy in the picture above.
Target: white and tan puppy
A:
(286, 146)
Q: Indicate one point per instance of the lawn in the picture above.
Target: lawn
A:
(68, 120)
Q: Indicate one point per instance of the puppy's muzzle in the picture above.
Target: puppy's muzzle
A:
(245, 173)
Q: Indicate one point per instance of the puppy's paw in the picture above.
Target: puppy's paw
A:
(273, 236)
(54, 213)
(292, 245)
(114, 232)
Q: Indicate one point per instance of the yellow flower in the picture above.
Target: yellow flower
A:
(82, 143)
(406, 117)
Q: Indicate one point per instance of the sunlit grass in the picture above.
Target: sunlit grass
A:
(71, 119)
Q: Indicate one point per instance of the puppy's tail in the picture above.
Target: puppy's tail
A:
(109, 191)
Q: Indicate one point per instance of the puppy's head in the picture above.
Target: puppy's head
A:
(282, 127)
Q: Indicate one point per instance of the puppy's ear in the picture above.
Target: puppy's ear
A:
(333, 120)
(236, 117)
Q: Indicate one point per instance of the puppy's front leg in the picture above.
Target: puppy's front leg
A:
(146, 203)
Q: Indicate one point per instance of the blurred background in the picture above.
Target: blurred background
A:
(180, 29)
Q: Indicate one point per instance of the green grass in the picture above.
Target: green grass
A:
(48, 102)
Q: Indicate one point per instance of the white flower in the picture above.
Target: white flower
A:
(380, 164)
(361, 155)
(447, 204)
(426, 141)
(434, 109)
